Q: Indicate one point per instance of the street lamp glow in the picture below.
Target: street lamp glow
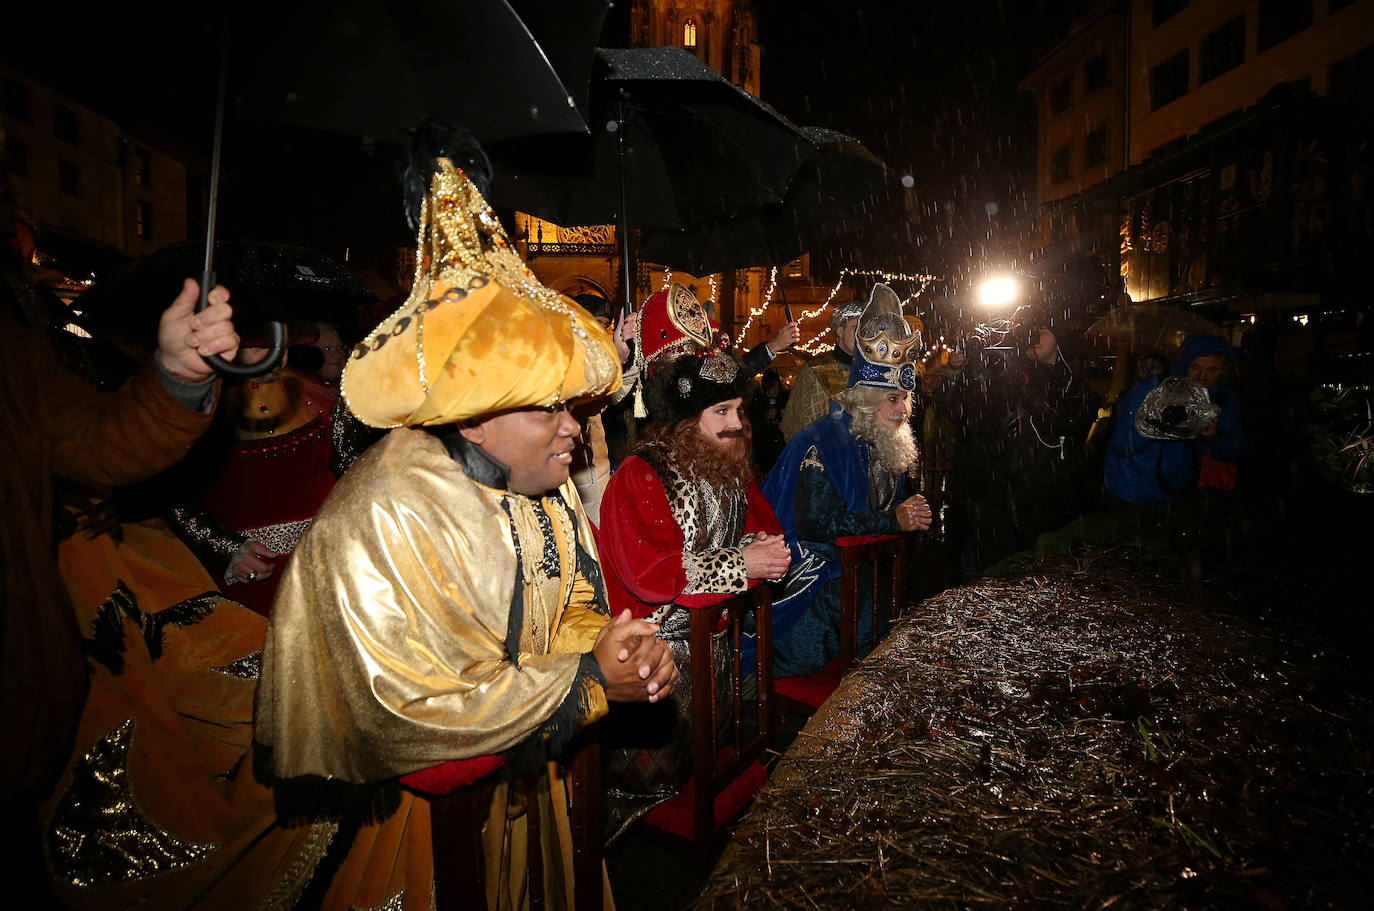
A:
(996, 292)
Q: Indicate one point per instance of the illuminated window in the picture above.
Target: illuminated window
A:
(689, 33)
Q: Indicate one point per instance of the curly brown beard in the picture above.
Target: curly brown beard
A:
(699, 457)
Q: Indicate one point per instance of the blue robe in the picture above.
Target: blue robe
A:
(819, 490)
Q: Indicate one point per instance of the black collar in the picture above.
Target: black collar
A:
(475, 461)
(841, 357)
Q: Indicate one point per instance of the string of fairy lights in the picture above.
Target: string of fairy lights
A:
(759, 310)
(817, 343)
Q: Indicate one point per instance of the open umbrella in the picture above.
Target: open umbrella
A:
(364, 67)
(673, 145)
(827, 199)
(1150, 327)
(374, 68)
(269, 282)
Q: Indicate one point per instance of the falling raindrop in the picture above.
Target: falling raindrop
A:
(908, 181)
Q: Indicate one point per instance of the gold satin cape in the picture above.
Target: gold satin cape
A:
(385, 650)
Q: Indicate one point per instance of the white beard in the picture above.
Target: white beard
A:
(893, 445)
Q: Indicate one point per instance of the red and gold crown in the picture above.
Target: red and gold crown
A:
(685, 363)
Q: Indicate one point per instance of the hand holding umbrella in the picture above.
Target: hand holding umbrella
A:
(188, 337)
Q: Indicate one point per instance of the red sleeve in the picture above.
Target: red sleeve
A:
(760, 517)
(641, 543)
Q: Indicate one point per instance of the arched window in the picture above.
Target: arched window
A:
(689, 33)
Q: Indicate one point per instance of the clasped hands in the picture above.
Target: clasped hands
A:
(638, 667)
(913, 514)
(766, 557)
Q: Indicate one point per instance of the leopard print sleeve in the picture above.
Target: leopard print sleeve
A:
(718, 570)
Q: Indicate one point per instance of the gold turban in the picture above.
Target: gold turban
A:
(479, 333)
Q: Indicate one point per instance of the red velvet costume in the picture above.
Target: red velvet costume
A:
(672, 539)
(267, 490)
(643, 546)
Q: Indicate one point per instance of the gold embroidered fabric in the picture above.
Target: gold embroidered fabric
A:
(479, 333)
(100, 835)
(386, 647)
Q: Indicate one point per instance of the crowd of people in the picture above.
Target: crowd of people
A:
(422, 571)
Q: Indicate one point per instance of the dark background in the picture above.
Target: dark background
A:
(931, 88)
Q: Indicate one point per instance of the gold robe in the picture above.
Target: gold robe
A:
(387, 650)
(815, 388)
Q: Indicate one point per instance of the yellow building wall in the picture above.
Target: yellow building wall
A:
(1308, 54)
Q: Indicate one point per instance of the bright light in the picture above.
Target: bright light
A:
(996, 292)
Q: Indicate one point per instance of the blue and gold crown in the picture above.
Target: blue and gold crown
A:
(888, 347)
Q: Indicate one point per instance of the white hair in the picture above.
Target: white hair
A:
(893, 445)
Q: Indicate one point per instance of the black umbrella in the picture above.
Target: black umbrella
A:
(673, 144)
(828, 198)
(376, 68)
(269, 282)
(364, 67)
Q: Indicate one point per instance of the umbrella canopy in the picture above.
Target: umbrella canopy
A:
(828, 198)
(689, 146)
(376, 69)
(267, 282)
(1150, 327)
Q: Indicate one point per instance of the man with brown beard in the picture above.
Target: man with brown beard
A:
(682, 517)
(843, 475)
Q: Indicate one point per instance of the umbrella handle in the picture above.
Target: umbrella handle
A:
(243, 371)
(207, 275)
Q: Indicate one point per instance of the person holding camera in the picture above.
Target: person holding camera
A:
(1022, 415)
(1142, 469)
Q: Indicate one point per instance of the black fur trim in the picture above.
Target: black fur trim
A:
(312, 896)
(669, 404)
(313, 798)
(553, 736)
(589, 568)
(106, 644)
(183, 613)
(515, 621)
(430, 141)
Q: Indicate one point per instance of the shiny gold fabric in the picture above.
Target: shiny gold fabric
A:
(385, 652)
(479, 333)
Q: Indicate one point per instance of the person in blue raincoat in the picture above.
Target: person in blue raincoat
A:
(1142, 470)
(846, 474)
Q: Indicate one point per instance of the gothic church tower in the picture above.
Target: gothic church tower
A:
(722, 33)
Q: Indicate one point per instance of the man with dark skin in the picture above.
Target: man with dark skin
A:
(446, 605)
